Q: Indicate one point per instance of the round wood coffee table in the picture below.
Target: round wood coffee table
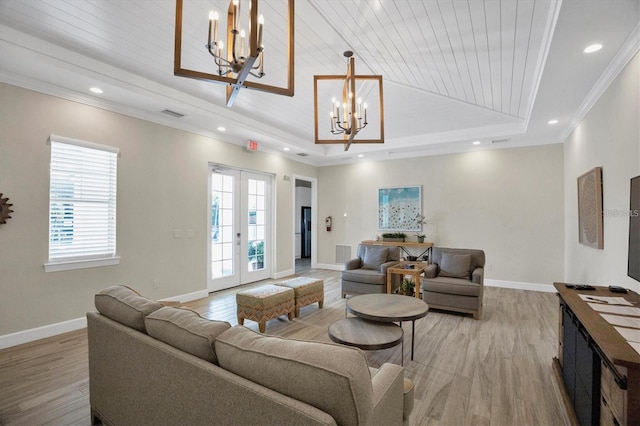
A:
(367, 335)
(387, 308)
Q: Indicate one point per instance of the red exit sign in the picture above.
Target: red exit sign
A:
(252, 146)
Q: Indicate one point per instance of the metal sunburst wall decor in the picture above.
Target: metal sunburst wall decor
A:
(5, 209)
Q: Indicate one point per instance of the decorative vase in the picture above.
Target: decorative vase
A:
(421, 240)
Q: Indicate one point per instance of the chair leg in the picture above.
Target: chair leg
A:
(262, 325)
(95, 420)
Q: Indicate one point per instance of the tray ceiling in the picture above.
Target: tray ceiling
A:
(454, 71)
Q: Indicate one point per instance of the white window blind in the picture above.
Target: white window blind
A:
(82, 201)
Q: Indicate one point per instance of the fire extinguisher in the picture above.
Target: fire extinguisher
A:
(327, 222)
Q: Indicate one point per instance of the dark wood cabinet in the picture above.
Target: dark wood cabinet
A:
(600, 371)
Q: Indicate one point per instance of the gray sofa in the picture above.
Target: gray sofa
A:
(454, 280)
(155, 364)
(367, 273)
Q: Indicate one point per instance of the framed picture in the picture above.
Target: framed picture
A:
(400, 208)
(590, 232)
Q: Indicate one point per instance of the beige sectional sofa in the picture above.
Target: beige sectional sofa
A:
(151, 364)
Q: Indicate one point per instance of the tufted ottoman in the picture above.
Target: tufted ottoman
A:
(307, 291)
(264, 303)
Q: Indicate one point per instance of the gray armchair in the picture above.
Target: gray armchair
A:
(368, 272)
(454, 280)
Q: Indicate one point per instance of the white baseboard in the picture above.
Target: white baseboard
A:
(549, 288)
(330, 266)
(282, 274)
(26, 336)
(188, 297)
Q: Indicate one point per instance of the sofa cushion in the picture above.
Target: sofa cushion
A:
(374, 256)
(124, 305)
(330, 377)
(186, 330)
(447, 285)
(366, 276)
(455, 265)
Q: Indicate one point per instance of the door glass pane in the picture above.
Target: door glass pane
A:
(256, 219)
(222, 242)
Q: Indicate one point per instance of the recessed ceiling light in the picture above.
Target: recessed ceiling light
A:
(221, 129)
(593, 48)
(360, 155)
(96, 90)
(286, 149)
(552, 122)
(476, 142)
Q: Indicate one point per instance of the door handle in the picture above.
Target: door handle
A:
(238, 238)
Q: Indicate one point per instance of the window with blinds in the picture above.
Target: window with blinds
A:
(82, 203)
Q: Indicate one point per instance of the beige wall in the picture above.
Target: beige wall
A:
(609, 136)
(507, 202)
(519, 205)
(162, 186)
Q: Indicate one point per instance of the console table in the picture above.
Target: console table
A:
(426, 247)
(599, 369)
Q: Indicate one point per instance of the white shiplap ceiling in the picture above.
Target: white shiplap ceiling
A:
(454, 71)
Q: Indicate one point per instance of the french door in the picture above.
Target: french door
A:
(240, 227)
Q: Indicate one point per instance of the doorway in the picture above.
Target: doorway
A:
(305, 226)
(240, 227)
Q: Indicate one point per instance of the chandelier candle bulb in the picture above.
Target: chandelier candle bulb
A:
(210, 23)
(260, 24)
(213, 16)
(242, 36)
(261, 60)
(236, 14)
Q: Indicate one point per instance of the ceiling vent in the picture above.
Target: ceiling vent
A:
(500, 140)
(302, 154)
(173, 113)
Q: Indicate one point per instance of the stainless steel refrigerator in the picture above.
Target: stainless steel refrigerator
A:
(306, 231)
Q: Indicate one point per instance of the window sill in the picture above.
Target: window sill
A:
(81, 264)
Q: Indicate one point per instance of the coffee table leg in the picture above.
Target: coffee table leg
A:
(413, 331)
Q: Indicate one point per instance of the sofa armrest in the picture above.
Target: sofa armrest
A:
(387, 265)
(477, 276)
(353, 264)
(388, 395)
(431, 271)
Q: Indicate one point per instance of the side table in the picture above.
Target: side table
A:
(415, 271)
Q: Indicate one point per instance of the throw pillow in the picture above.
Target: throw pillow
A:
(331, 377)
(186, 330)
(374, 256)
(124, 305)
(455, 265)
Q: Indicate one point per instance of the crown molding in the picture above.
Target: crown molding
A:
(626, 53)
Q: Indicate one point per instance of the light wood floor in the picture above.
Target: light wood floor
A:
(496, 371)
